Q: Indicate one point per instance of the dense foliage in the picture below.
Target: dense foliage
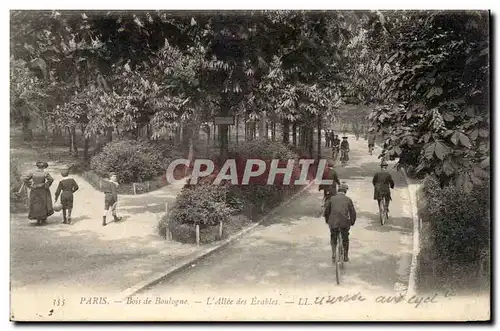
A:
(459, 221)
(439, 121)
(204, 205)
(133, 161)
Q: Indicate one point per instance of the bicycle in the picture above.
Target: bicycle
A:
(335, 154)
(382, 209)
(339, 257)
(343, 158)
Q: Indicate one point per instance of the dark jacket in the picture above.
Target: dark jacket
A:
(340, 212)
(330, 173)
(110, 188)
(344, 145)
(371, 139)
(382, 181)
(67, 185)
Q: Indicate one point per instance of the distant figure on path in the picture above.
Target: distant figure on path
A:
(40, 199)
(110, 189)
(371, 142)
(67, 186)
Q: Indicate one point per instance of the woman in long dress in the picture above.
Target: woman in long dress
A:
(40, 199)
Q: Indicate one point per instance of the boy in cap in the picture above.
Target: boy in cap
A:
(66, 188)
(110, 189)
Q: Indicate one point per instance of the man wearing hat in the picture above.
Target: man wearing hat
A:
(335, 147)
(340, 215)
(66, 188)
(329, 173)
(382, 183)
(344, 149)
(110, 189)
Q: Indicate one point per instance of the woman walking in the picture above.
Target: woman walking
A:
(40, 199)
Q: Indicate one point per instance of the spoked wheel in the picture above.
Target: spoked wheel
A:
(339, 259)
(382, 212)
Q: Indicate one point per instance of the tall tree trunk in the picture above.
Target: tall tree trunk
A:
(294, 134)
(318, 143)
(286, 131)
(273, 131)
(27, 131)
(177, 137)
(86, 148)
(311, 141)
(73, 142)
(86, 143)
(45, 132)
(215, 134)
(70, 143)
(224, 130)
(109, 134)
(263, 125)
(237, 128)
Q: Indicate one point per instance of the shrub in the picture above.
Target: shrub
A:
(133, 161)
(203, 204)
(459, 222)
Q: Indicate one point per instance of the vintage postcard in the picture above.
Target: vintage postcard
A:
(258, 165)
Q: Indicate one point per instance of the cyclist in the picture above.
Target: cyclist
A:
(331, 189)
(371, 142)
(344, 150)
(382, 183)
(335, 147)
(340, 215)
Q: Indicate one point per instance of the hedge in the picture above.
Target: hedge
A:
(132, 160)
(456, 230)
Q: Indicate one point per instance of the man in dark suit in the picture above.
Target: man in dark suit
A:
(382, 183)
(340, 215)
(329, 173)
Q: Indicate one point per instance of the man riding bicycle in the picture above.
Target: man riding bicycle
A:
(335, 146)
(382, 183)
(331, 189)
(340, 215)
(344, 150)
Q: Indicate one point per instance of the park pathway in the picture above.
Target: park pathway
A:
(86, 255)
(292, 250)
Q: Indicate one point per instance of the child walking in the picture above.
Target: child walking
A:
(110, 197)
(66, 188)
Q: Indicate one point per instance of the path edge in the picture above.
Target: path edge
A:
(197, 256)
(412, 287)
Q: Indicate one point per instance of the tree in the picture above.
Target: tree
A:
(440, 74)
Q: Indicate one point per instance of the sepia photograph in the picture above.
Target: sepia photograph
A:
(250, 165)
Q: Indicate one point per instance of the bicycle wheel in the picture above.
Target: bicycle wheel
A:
(338, 259)
(382, 211)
